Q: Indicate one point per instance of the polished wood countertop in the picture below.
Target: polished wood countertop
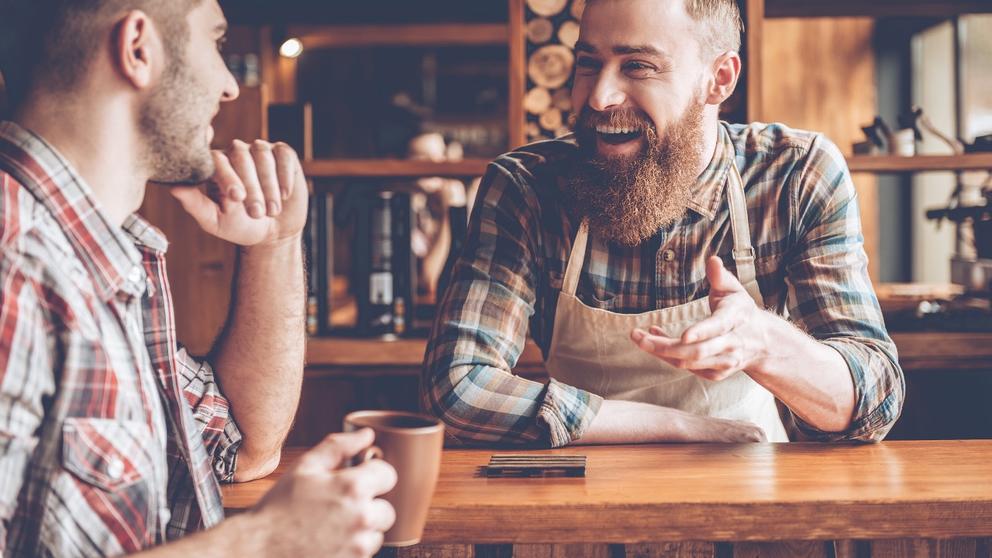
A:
(715, 492)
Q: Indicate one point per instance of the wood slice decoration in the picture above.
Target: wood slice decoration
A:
(552, 119)
(550, 66)
(568, 33)
(540, 30)
(537, 100)
(562, 100)
(563, 131)
(578, 6)
(546, 7)
(533, 130)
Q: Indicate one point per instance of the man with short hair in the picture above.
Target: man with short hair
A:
(686, 279)
(112, 437)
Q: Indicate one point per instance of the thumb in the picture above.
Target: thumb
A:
(198, 205)
(335, 450)
(720, 278)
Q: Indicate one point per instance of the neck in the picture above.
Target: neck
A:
(100, 143)
(711, 127)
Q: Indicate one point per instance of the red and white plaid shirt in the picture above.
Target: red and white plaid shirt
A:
(112, 438)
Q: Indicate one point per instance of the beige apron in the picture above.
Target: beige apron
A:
(591, 348)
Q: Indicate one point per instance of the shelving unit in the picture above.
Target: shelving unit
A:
(920, 163)
(448, 34)
(392, 168)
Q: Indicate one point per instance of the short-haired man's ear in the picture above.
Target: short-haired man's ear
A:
(137, 49)
(726, 71)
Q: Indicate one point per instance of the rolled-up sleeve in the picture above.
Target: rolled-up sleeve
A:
(832, 298)
(481, 329)
(212, 414)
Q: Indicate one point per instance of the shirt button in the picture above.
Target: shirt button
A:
(134, 275)
(115, 469)
(668, 255)
(165, 514)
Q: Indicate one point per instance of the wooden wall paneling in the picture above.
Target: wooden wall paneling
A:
(518, 74)
(431, 551)
(924, 548)
(561, 551)
(754, 13)
(819, 74)
(671, 550)
(784, 549)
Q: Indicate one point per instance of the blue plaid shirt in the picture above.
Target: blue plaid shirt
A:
(811, 265)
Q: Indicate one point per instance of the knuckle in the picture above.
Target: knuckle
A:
(260, 146)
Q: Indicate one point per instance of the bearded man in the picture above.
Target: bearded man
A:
(686, 279)
(112, 437)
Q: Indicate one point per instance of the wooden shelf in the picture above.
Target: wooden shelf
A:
(392, 168)
(330, 36)
(919, 163)
(406, 353)
(917, 351)
(875, 8)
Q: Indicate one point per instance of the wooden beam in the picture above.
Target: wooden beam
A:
(441, 34)
(755, 17)
(875, 8)
(392, 168)
(919, 163)
(518, 75)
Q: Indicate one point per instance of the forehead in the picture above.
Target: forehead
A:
(662, 24)
(207, 14)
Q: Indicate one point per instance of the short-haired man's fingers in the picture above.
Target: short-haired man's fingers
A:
(287, 168)
(366, 543)
(244, 165)
(226, 179)
(377, 515)
(265, 164)
(367, 480)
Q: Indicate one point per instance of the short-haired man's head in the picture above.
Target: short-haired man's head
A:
(51, 44)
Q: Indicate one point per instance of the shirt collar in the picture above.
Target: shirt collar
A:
(711, 184)
(111, 254)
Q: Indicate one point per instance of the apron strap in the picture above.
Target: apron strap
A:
(576, 259)
(743, 253)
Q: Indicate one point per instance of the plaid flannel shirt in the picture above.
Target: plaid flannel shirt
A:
(811, 265)
(112, 438)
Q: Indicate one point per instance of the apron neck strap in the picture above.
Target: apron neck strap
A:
(576, 259)
(743, 253)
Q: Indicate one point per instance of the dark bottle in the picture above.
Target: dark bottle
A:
(458, 221)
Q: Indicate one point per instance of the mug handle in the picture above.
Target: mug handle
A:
(370, 453)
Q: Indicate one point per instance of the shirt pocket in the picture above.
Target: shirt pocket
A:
(108, 463)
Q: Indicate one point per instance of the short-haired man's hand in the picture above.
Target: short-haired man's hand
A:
(258, 194)
(731, 339)
(323, 507)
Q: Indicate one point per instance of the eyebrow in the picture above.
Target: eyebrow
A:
(623, 49)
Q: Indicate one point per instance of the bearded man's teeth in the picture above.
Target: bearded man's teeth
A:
(616, 130)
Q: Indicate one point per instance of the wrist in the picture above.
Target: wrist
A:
(292, 242)
(763, 335)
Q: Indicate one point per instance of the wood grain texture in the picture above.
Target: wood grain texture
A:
(819, 74)
(518, 75)
(875, 8)
(920, 163)
(400, 168)
(758, 492)
(787, 549)
(671, 550)
(939, 349)
(924, 548)
(437, 34)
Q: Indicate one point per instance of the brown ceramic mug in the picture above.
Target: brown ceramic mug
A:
(412, 444)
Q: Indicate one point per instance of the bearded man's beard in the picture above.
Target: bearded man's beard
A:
(173, 123)
(629, 199)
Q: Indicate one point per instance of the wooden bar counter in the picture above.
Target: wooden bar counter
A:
(714, 492)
